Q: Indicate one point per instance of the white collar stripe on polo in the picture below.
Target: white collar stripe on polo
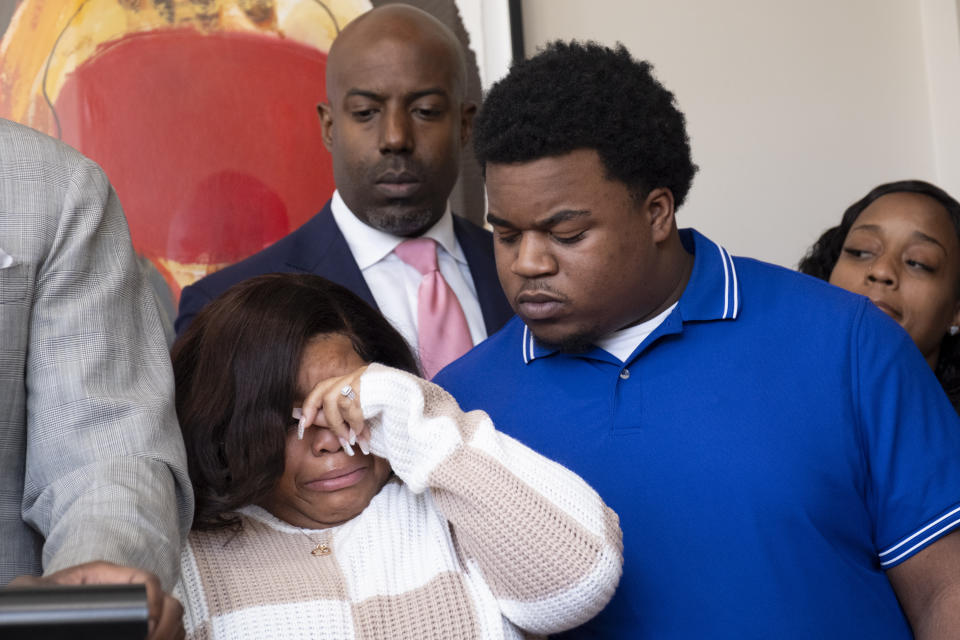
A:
(726, 282)
(728, 291)
(527, 340)
(736, 286)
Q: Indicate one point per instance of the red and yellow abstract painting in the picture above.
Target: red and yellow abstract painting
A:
(202, 112)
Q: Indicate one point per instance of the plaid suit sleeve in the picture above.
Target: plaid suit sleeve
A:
(105, 469)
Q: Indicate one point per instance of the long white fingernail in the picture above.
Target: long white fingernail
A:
(297, 413)
(346, 447)
(353, 436)
(301, 427)
(364, 446)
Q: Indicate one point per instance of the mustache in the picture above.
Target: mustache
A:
(396, 165)
(538, 286)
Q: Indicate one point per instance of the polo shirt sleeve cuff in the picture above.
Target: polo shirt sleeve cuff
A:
(923, 537)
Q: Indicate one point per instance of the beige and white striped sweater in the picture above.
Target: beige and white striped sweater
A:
(477, 537)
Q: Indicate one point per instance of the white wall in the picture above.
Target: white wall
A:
(488, 24)
(795, 108)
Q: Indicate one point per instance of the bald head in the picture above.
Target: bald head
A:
(396, 119)
(404, 24)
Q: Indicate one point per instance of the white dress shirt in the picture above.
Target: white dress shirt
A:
(395, 284)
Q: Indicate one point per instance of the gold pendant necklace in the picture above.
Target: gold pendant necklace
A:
(322, 548)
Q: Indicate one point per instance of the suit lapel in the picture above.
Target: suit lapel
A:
(321, 249)
(477, 246)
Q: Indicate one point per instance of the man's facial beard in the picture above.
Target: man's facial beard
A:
(397, 220)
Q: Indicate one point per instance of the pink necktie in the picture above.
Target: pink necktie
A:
(442, 328)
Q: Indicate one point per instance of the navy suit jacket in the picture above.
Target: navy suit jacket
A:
(319, 247)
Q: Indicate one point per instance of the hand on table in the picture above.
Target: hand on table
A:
(164, 611)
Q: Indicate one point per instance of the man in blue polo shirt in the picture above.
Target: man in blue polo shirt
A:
(782, 459)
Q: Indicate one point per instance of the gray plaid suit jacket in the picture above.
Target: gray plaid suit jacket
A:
(92, 464)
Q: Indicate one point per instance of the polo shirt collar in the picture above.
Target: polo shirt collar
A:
(369, 246)
(712, 293)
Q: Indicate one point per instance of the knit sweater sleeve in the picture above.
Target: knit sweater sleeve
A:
(544, 542)
(189, 591)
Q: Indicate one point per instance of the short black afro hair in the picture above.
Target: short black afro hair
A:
(587, 96)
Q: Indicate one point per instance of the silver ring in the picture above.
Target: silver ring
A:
(348, 392)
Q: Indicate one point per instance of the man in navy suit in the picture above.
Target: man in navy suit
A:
(395, 124)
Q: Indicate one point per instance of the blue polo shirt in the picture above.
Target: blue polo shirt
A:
(771, 449)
